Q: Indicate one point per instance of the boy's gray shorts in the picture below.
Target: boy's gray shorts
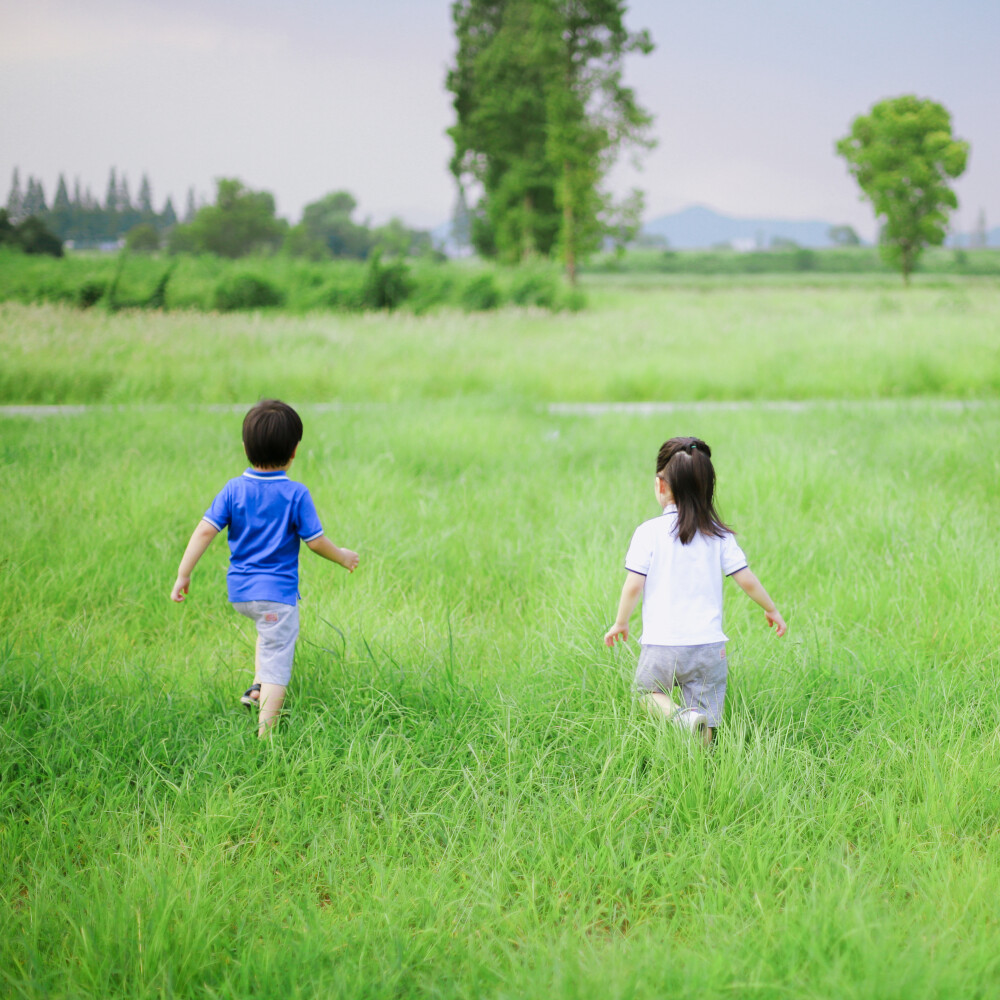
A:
(277, 630)
(699, 671)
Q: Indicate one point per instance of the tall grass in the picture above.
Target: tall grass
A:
(766, 341)
(464, 799)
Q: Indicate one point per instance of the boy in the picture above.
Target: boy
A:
(266, 514)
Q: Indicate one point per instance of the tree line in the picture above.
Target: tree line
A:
(239, 222)
(84, 221)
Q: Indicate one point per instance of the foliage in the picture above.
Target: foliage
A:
(541, 114)
(29, 235)
(903, 156)
(844, 236)
(387, 286)
(143, 238)
(245, 291)
(327, 224)
(241, 222)
(189, 282)
(480, 294)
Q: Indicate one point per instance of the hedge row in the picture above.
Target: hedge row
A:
(209, 283)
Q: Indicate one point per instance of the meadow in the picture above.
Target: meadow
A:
(464, 799)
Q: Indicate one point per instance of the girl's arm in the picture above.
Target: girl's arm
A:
(755, 590)
(322, 546)
(631, 592)
(200, 540)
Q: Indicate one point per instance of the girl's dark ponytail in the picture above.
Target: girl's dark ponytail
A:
(685, 465)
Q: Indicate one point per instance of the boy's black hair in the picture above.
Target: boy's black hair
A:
(271, 432)
(685, 465)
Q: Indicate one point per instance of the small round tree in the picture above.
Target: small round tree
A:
(903, 156)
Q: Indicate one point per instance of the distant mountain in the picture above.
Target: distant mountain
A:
(699, 228)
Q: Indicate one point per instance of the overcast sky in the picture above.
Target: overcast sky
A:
(308, 96)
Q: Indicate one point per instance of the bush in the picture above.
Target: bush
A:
(534, 288)
(480, 294)
(90, 292)
(386, 285)
(142, 239)
(245, 291)
(33, 237)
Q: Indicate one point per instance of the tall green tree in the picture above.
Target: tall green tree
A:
(542, 113)
(499, 87)
(903, 155)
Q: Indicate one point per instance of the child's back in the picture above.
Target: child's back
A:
(266, 515)
(675, 564)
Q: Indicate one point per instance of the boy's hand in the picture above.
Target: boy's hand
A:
(180, 588)
(774, 619)
(614, 633)
(349, 560)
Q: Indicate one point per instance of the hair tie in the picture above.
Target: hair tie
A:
(693, 446)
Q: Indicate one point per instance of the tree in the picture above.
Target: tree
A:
(145, 203)
(239, 223)
(15, 200)
(844, 236)
(328, 223)
(32, 236)
(541, 116)
(111, 194)
(623, 220)
(34, 199)
(979, 237)
(461, 224)
(903, 155)
(168, 217)
(142, 238)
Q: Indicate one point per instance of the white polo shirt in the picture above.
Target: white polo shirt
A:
(682, 597)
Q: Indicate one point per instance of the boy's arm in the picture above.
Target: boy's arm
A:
(631, 592)
(200, 540)
(755, 590)
(322, 546)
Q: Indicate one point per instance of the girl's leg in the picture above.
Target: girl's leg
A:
(272, 696)
(659, 704)
(662, 706)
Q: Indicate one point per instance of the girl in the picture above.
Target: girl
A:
(675, 563)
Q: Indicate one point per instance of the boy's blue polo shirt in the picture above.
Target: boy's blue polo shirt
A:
(266, 514)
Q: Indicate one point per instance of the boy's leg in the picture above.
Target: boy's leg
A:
(255, 695)
(272, 696)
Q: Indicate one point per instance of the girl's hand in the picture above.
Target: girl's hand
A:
(614, 633)
(774, 619)
(180, 588)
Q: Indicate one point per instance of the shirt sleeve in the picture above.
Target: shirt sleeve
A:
(308, 524)
(640, 552)
(733, 559)
(219, 514)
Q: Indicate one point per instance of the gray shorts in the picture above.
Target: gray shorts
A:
(277, 630)
(699, 671)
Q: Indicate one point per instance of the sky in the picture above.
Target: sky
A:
(310, 96)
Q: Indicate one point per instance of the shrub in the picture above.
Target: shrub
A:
(245, 291)
(386, 285)
(534, 288)
(480, 294)
(90, 292)
(142, 239)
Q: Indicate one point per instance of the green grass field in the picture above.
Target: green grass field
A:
(464, 799)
